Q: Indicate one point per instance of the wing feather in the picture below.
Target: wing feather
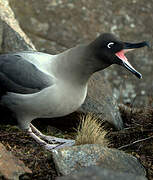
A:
(20, 76)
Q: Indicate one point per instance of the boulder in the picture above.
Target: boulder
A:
(12, 38)
(72, 159)
(101, 102)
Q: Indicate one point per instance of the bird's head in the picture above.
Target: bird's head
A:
(112, 51)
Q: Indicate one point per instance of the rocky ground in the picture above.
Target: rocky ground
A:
(135, 139)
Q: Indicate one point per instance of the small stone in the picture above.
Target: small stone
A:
(143, 92)
(84, 8)
(132, 25)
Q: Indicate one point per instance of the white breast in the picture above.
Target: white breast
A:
(63, 100)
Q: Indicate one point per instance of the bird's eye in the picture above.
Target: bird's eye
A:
(110, 45)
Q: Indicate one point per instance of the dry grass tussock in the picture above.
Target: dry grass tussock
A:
(90, 131)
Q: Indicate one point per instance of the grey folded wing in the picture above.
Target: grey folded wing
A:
(20, 76)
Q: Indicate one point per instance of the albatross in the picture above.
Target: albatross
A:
(39, 85)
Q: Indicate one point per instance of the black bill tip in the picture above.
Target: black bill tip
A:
(131, 69)
(136, 45)
(137, 74)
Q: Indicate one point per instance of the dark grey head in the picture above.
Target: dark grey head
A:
(111, 51)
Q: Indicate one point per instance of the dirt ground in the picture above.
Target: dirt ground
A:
(136, 139)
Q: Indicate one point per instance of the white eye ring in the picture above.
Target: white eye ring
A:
(109, 45)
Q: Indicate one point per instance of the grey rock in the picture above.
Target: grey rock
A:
(100, 100)
(98, 173)
(12, 38)
(72, 159)
(11, 168)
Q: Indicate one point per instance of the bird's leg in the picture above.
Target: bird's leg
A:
(34, 129)
(40, 141)
(50, 147)
(52, 139)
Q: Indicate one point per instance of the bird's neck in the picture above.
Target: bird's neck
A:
(78, 64)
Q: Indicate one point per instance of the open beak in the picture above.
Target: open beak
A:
(128, 47)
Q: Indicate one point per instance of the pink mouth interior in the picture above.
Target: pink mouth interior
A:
(121, 55)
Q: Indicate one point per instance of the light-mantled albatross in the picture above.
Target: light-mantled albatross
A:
(39, 85)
